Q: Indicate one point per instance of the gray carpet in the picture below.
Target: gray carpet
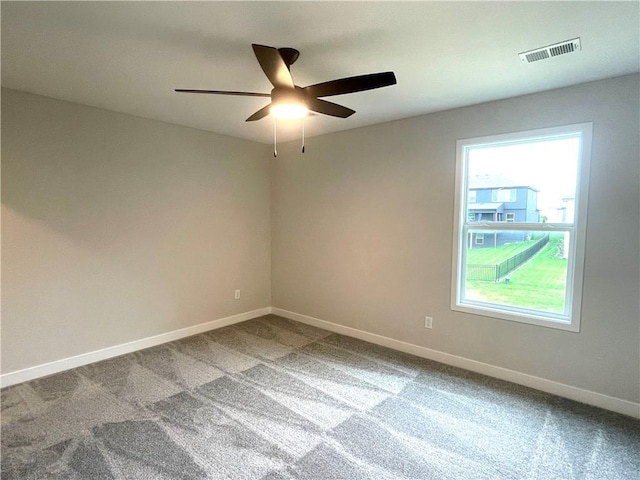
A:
(275, 399)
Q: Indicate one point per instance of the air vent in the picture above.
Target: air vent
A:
(562, 48)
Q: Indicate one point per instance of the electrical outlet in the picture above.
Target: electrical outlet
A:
(428, 322)
(237, 295)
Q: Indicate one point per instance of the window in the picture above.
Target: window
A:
(503, 195)
(529, 267)
(472, 196)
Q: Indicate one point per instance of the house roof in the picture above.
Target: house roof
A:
(478, 182)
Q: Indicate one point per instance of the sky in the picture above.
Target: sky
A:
(551, 166)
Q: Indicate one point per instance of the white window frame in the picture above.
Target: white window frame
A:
(473, 195)
(478, 238)
(510, 220)
(570, 319)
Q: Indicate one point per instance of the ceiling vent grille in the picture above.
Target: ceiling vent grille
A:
(562, 48)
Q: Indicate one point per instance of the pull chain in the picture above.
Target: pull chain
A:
(275, 137)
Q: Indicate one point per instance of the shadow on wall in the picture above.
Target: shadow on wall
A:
(101, 177)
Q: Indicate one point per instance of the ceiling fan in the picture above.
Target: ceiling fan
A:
(291, 101)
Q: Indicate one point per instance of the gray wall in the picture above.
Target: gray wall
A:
(362, 236)
(116, 228)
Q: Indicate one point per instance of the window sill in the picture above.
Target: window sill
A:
(492, 311)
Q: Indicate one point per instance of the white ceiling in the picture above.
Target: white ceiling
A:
(129, 56)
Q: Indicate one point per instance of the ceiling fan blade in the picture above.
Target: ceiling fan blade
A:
(328, 108)
(223, 92)
(263, 112)
(351, 84)
(273, 66)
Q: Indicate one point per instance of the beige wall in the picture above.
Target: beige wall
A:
(362, 236)
(116, 228)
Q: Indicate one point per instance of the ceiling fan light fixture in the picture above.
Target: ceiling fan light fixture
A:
(288, 104)
(289, 111)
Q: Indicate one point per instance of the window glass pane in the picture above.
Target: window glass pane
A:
(526, 182)
(517, 269)
(509, 265)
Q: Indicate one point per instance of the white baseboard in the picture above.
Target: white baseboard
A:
(567, 391)
(614, 404)
(43, 370)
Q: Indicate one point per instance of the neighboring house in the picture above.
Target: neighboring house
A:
(567, 210)
(494, 198)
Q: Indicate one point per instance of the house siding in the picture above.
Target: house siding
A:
(524, 208)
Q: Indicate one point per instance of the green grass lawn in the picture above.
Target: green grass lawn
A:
(538, 284)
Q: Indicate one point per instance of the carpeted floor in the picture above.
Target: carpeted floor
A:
(275, 399)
